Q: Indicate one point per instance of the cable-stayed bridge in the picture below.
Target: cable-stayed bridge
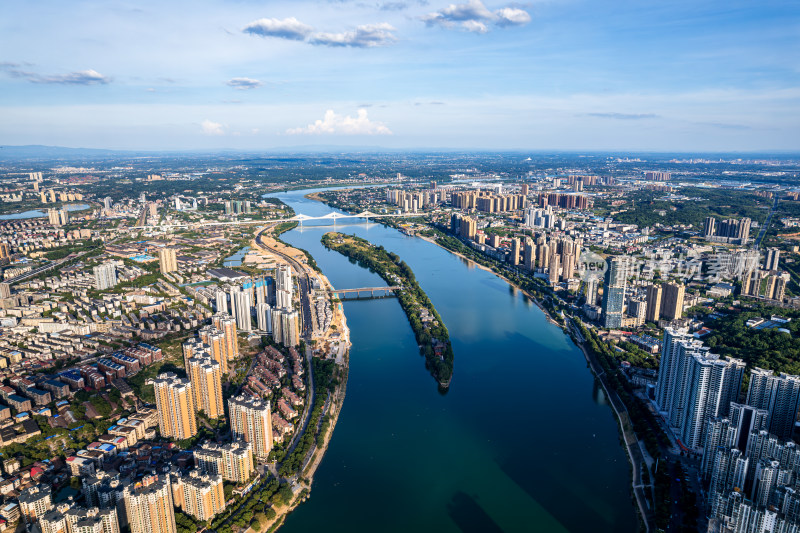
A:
(300, 217)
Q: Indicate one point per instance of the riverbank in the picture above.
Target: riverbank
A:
(629, 438)
(429, 328)
(303, 480)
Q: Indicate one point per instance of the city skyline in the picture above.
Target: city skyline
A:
(565, 75)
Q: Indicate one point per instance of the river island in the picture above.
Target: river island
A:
(429, 329)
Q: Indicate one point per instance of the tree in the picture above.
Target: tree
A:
(228, 490)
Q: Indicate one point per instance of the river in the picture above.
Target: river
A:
(522, 441)
(38, 214)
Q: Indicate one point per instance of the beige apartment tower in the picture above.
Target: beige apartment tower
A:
(217, 344)
(227, 325)
(251, 421)
(233, 461)
(653, 312)
(175, 404)
(167, 260)
(206, 377)
(672, 301)
(148, 504)
(199, 495)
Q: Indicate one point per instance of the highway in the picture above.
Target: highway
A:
(44, 268)
(767, 223)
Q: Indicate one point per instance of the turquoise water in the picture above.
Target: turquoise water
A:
(523, 440)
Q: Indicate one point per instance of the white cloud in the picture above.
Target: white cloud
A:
(511, 16)
(475, 17)
(212, 128)
(343, 125)
(289, 28)
(367, 36)
(474, 26)
(80, 77)
(244, 83)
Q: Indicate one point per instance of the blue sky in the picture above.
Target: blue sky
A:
(541, 75)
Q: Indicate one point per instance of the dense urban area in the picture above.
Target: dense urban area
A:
(163, 349)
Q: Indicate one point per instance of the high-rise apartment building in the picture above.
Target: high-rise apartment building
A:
(94, 520)
(227, 325)
(233, 461)
(653, 312)
(672, 301)
(513, 257)
(779, 396)
(175, 404)
(35, 502)
(53, 521)
(284, 286)
(199, 495)
(206, 376)
(242, 303)
(614, 291)
(105, 276)
(251, 421)
(148, 504)
(694, 386)
(57, 217)
(222, 301)
(167, 260)
(286, 327)
(216, 344)
(264, 317)
(772, 259)
(5, 250)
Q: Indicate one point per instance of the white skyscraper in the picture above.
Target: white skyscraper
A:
(105, 276)
(264, 317)
(222, 301)
(694, 386)
(242, 304)
(779, 396)
(283, 286)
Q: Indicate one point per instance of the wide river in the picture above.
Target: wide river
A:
(523, 440)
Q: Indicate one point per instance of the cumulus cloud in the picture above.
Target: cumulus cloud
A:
(474, 26)
(208, 127)
(367, 36)
(334, 124)
(80, 77)
(511, 16)
(289, 28)
(244, 83)
(474, 16)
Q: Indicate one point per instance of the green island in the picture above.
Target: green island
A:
(429, 329)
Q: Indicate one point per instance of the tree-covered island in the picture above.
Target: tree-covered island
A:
(429, 329)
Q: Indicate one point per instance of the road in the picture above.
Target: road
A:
(765, 227)
(303, 282)
(44, 268)
(310, 398)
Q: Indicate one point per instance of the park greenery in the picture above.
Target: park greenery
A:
(647, 208)
(770, 349)
(413, 300)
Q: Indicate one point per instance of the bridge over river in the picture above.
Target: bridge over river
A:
(365, 293)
